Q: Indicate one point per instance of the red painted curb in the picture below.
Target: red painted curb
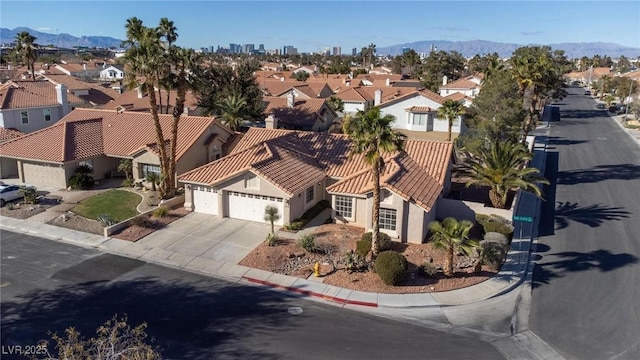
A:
(311, 293)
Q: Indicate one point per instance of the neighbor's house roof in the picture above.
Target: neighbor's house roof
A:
(98, 94)
(27, 94)
(9, 133)
(304, 111)
(413, 93)
(130, 100)
(86, 133)
(291, 160)
(462, 83)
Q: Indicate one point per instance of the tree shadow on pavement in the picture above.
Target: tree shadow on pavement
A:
(592, 215)
(572, 261)
(188, 320)
(599, 173)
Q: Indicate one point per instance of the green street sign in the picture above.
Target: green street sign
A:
(523, 218)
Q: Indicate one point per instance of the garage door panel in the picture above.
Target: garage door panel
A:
(205, 200)
(251, 207)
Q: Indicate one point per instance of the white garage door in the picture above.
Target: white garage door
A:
(205, 200)
(251, 207)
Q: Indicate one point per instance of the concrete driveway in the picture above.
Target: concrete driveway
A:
(210, 237)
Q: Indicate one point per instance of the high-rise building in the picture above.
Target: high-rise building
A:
(337, 51)
(248, 48)
(289, 50)
(354, 51)
(235, 48)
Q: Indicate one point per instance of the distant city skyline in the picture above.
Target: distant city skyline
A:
(313, 26)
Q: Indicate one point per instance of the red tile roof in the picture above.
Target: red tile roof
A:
(86, 133)
(419, 109)
(463, 83)
(303, 114)
(9, 133)
(28, 94)
(131, 102)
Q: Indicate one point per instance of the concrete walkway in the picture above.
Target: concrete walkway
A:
(213, 246)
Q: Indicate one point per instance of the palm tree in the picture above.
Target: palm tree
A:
(371, 135)
(184, 60)
(271, 215)
(154, 179)
(143, 59)
(168, 30)
(26, 49)
(232, 111)
(450, 110)
(502, 168)
(125, 166)
(452, 236)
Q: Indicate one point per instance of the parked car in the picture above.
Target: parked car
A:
(11, 192)
(587, 92)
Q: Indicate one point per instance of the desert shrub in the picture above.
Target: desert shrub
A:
(392, 267)
(495, 223)
(427, 270)
(354, 262)
(384, 241)
(496, 237)
(161, 211)
(272, 240)
(141, 221)
(294, 226)
(106, 220)
(363, 246)
(127, 183)
(10, 206)
(30, 194)
(308, 242)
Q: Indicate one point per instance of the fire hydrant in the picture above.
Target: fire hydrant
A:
(316, 269)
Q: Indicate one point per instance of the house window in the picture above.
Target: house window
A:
(47, 114)
(149, 169)
(344, 206)
(419, 119)
(24, 115)
(388, 219)
(309, 195)
(385, 196)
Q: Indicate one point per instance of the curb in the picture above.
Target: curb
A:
(311, 293)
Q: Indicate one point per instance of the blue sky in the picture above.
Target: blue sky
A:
(314, 25)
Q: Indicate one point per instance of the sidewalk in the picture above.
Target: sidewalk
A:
(510, 276)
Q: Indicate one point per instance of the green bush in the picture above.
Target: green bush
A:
(495, 223)
(308, 242)
(363, 246)
(392, 267)
(30, 194)
(81, 178)
(162, 211)
(384, 241)
(294, 226)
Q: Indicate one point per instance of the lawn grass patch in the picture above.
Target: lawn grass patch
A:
(117, 204)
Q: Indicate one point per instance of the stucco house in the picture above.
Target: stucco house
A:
(418, 111)
(294, 170)
(29, 106)
(102, 138)
(469, 86)
(112, 73)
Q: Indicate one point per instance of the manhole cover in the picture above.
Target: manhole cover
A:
(294, 310)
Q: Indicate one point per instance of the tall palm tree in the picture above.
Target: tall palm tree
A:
(452, 236)
(184, 61)
(26, 49)
(371, 135)
(502, 167)
(450, 110)
(231, 111)
(143, 59)
(168, 30)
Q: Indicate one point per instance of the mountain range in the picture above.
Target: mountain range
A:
(466, 48)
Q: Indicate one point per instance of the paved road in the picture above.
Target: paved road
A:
(585, 300)
(48, 285)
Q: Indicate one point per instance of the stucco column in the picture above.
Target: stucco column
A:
(20, 171)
